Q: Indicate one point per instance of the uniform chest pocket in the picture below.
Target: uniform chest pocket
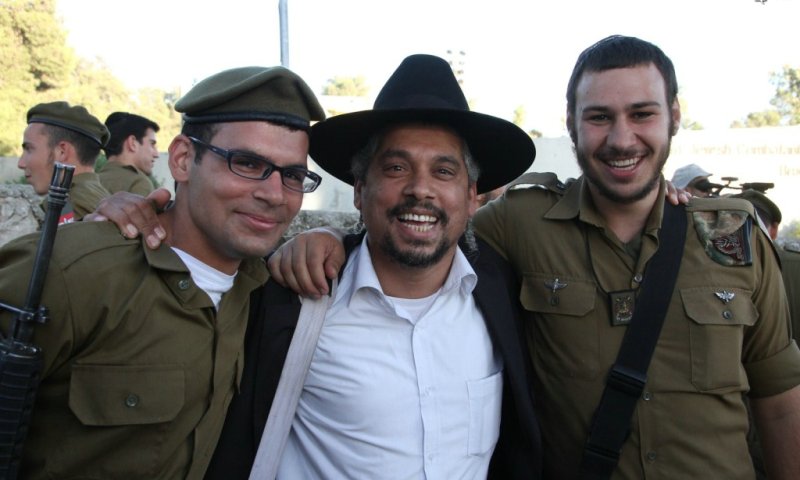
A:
(123, 417)
(115, 395)
(559, 321)
(717, 319)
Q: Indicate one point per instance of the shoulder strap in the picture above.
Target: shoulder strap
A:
(628, 375)
(290, 385)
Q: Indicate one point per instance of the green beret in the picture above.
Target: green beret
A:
(761, 202)
(76, 118)
(273, 94)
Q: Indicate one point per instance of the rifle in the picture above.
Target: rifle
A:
(20, 360)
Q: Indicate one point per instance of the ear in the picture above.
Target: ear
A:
(64, 152)
(181, 158)
(676, 117)
(131, 144)
(357, 194)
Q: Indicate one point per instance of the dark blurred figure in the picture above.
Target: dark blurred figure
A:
(770, 217)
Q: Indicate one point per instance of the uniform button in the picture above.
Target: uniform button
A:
(637, 278)
(132, 400)
(651, 456)
(184, 284)
(727, 314)
(647, 396)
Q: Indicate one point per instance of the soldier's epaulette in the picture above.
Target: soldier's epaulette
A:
(541, 180)
(724, 227)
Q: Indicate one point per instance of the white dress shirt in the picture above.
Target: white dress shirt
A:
(398, 389)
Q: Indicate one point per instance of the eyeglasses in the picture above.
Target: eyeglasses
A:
(255, 167)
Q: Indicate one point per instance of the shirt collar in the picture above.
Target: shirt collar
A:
(577, 203)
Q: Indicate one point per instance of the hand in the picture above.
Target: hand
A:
(676, 195)
(134, 214)
(306, 262)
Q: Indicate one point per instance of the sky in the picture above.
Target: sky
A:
(516, 53)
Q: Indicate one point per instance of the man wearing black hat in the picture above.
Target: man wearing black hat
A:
(143, 351)
(59, 132)
(131, 152)
(418, 370)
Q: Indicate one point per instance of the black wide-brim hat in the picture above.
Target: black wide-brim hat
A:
(424, 89)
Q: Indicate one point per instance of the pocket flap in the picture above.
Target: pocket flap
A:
(719, 306)
(111, 395)
(571, 297)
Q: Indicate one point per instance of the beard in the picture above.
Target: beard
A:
(610, 152)
(413, 257)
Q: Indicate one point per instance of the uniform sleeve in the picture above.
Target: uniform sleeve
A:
(55, 337)
(490, 224)
(141, 186)
(770, 356)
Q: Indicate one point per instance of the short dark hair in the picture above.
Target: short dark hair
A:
(618, 51)
(86, 148)
(122, 125)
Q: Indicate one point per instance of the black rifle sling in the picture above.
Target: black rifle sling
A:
(628, 375)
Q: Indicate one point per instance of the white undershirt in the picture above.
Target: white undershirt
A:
(208, 279)
(398, 389)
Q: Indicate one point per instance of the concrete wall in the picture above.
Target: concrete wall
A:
(752, 155)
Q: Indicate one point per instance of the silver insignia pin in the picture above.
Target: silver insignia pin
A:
(554, 285)
(725, 296)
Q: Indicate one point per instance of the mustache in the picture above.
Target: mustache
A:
(614, 153)
(412, 203)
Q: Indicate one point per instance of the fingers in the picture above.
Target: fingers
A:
(677, 196)
(305, 263)
(134, 215)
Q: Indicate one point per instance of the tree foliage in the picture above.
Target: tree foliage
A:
(766, 118)
(38, 66)
(787, 94)
(346, 87)
(786, 101)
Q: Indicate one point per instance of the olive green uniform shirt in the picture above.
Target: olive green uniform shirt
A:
(691, 421)
(85, 193)
(116, 177)
(139, 367)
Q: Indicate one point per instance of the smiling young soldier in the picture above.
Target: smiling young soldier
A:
(593, 253)
(143, 350)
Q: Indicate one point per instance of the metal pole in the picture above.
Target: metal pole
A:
(283, 9)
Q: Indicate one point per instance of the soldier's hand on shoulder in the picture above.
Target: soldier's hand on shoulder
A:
(677, 196)
(134, 214)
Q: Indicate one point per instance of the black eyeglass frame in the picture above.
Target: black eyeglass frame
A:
(271, 167)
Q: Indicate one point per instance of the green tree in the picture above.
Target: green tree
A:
(786, 101)
(346, 87)
(38, 66)
(787, 94)
(765, 118)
